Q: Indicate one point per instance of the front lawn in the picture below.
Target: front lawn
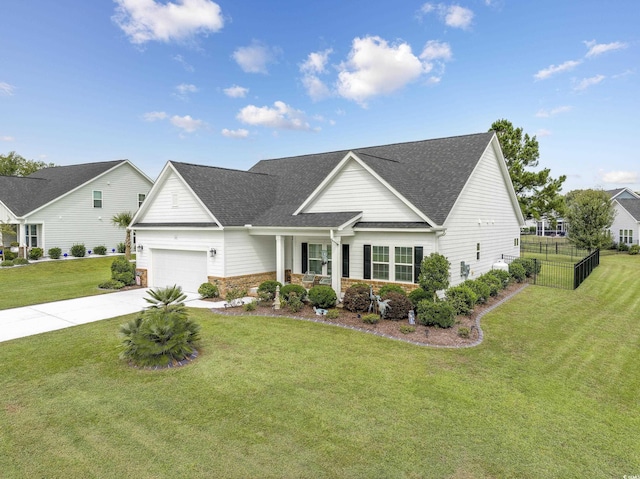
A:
(551, 392)
(41, 282)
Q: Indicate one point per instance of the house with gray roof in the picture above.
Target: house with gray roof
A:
(368, 214)
(66, 205)
(626, 225)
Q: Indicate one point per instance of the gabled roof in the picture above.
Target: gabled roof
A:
(24, 195)
(622, 193)
(632, 205)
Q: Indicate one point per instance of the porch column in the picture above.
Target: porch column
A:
(21, 233)
(336, 264)
(280, 259)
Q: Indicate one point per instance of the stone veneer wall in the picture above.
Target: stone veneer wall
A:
(246, 281)
(347, 282)
(142, 273)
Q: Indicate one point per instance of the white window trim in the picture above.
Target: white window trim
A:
(93, 198)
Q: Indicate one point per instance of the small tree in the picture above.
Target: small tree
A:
(13, 164)
(590, 214)
(123, 220)
(434, 273)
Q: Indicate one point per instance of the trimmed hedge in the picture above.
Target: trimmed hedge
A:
(462, 298)
(399, 306)
(54, 253)
(268, 288)
(300, 291)
(356, 298)
(322, 296)
(208, 290)
(438, 313)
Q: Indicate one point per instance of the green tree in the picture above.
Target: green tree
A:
(538, 193)
(590, 214)
(434, 273)
(13, 164)
(123, 220)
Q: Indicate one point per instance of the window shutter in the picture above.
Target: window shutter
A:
(305, 258)
(417, 261)
(367, 261)
(345, 260)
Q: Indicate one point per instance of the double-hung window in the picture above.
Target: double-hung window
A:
(320, 259)
(404, 264)
(97, 199)
(141, 197)
(31, 238)
(380, 262)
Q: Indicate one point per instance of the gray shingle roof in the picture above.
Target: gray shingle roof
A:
(632, 206)
(23, 195)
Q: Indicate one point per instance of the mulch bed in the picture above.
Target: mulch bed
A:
(423, 335)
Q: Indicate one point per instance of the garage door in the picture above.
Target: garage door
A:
(184, 268)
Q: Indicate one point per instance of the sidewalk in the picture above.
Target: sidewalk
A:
(40, 318)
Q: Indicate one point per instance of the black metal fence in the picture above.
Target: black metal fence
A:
(552, 248)
(563, 275)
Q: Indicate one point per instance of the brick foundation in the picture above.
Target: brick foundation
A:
(246, 281)
(142, 273)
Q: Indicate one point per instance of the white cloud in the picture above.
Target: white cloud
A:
(154, 116)
(183, 90)
(7, 138)
(186, 123)
(316, 62)
(148, 20)
(311, 68)
(255, 57)
(620, 177)
(236, 91)
(6, 89)
(596, 49)
(543, 132)
(282, 117)
(588, 82)
(453, 16)
(183, 62)
(553, 69)
(374, 67)
(542, 113)
(239, 133)
(435, 50)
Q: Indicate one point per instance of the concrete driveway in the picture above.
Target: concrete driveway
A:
(40, 318)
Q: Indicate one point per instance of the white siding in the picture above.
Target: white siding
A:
(246, 254)
(485, 198)
(174, 202)
(355, 189)
(73, 219)
(624, 221)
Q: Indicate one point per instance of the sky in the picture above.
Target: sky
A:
(229, 83)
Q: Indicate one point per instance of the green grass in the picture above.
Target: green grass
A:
(41, 282)
(552, 392)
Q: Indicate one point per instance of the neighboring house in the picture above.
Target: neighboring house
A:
(66, 205)
(626, 225)
(369, 214)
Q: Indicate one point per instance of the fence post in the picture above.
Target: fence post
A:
(535, 270)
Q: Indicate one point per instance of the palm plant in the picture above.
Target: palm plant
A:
(123, 220)
(162, 335)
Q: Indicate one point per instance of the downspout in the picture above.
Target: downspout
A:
(439, 234)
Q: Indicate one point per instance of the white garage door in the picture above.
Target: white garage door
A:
(187, 269)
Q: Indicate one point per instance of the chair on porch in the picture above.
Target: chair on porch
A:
(325, 280)
(308, 279)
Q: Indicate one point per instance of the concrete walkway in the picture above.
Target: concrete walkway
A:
(40, 318)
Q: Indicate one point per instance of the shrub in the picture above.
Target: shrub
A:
(333, 314)
(54, 253)
(434, 273)
(294, 302)
(208, 290)
(101, 250)
(399, 306)
(111, 284)
(623, 247)
(436, 313)
(162, 335)
(517, 271)
(530, 265)
(235, 293)
(18, 261)
(371, 319)
(267, 289)
(406, 329)
(391, 288)
(78, 250)
(462, 298)
(8, 255)
(36, 253)
(250, 306)
(123, 271)
(482, 289)
(6, 263)
(322, 296)
(494, 284)
(634, 249)
(418, 295)
(121, 247)
(503, 276)
(299, 290)
(464, 332)
(356, 298)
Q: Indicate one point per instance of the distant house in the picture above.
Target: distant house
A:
(626, 226)
(65, 205)
(368, 214)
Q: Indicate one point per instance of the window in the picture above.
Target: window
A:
(404, 264)
(516, 241)
(97, 199)
(477, 251)
(620, 237)
(320, 259)
(31, 238)
(380, 262)
(141, 197)
(630, 236)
